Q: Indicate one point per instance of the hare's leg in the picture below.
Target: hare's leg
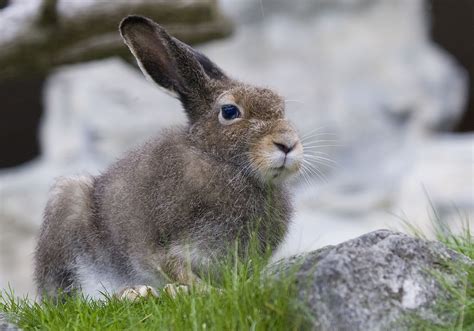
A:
(176, 271)
(178, 266)
(137, 292)
(133, 293)
(67, 213)
(180, 272)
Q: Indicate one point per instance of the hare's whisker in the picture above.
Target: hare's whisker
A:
(317, 157)
(325, 145)
(324, 141)
(316, 171)
(315, 152)
(317, 134)
(328, 163)
(297, 101)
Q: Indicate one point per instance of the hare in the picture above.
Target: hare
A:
(172, 208)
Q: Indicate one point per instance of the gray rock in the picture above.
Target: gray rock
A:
(379, 281)
(5, 325)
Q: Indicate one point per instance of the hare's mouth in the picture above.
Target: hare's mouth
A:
(287, 168)
(284, 169)
(276, 172)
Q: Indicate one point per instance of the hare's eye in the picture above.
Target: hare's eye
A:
(230, 112)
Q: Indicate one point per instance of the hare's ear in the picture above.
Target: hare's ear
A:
(168, 61)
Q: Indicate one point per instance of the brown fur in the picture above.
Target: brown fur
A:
(169, 210)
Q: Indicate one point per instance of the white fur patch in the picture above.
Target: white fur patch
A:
(94, 282)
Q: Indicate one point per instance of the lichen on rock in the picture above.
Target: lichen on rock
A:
(379, 281)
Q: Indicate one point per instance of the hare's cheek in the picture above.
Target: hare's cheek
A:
(261, 155)
(260, 164)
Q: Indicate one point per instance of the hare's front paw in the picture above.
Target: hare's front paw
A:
(134, 293)
(173, 289)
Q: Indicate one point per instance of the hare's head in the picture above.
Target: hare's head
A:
(237, 123)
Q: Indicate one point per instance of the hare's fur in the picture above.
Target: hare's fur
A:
(172, 208)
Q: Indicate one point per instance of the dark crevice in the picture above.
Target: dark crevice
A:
(4, 3)
(452, 27)
(21, 109)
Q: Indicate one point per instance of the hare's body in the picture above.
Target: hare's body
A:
(172, 209)
(128, 226)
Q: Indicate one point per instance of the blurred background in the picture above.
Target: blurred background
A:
(382, 87)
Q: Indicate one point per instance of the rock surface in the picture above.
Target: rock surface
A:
(5, 325)
(378, 281)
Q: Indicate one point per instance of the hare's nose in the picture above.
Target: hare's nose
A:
(284, 147)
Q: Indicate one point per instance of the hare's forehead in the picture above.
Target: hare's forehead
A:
(256, 101)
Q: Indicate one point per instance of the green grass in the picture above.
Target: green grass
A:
(462, 297)
(460, 302)
(249, 299)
